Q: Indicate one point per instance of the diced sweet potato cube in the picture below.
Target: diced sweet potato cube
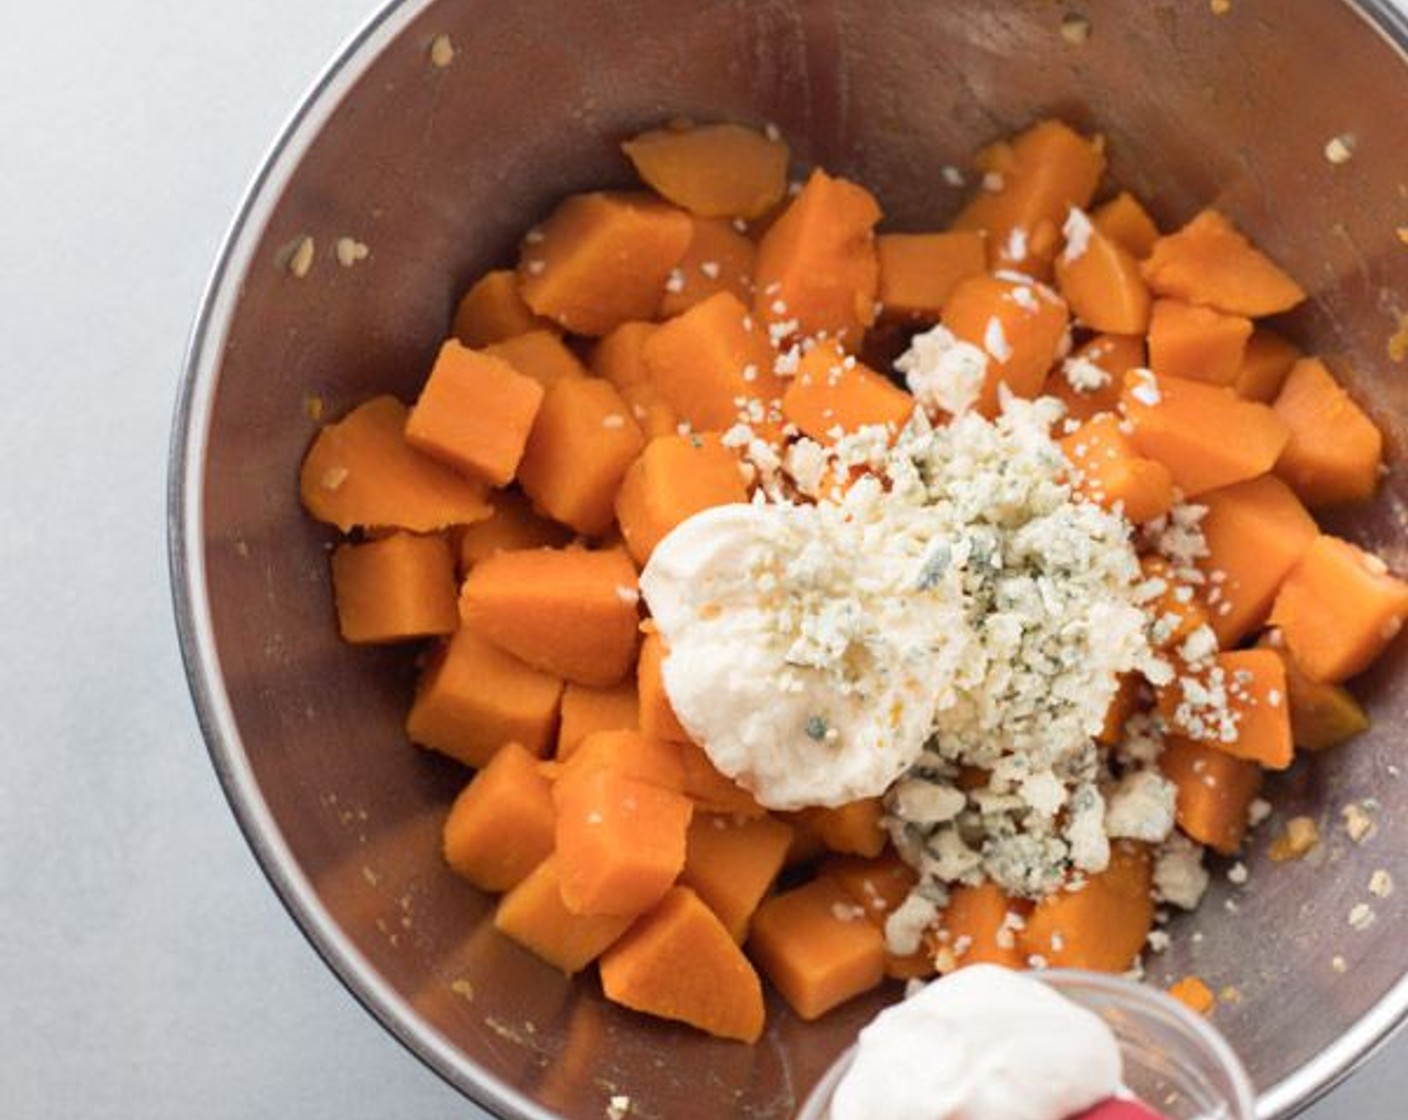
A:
(979, 926)
(492, 310)
(1020, 326)
(1123, 705)
(878, 886)
(1237, 705)
(1205, 434)
(833, 393)
(716, 990)
(588, 710)
(501, 825)
(1102, 286)
(630, 754)
(674, 478)
(1194, 994)
(533, 915)
(817, 269)
(1335, 450)
(620, 358)
(1255, 531)
(620, 841)
(731, 862)
(474, 698)
(713, 170)
(513, 526)
(816, 947)
(1215, 791)
(710, 789)
(1090, 380)
(853, 828)
(1176, 610)
(657, 717)
(602, 259)
(475, 413)
(361, 473)
(583, 442)
(539, 354)
(704, 362)
(1265, 365)
(1196, 343)
(1209, 262)
(1124, 220)
(1109, 472)
(1338, 609)
(1031, 183)
(1322, 715)
(394, 589)
(719, 259)
(569, 612)
(918, 271)
(1102, 926)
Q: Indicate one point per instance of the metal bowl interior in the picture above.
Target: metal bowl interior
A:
(439, 170)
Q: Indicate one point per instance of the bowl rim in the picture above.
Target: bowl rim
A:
(200, 375)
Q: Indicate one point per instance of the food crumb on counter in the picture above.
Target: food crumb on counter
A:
(1075, 29)
(1380, 884)
(1300, 837)
(1194, 994)
(298, 258)
(1340, 149)
(1358, 822)
(442, 51)
(1361, 916)
(350, 251)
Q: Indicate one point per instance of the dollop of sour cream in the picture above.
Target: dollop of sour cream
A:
(807, 651)
(984, 1043)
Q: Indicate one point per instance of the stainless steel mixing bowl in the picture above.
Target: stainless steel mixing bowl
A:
(437, 170)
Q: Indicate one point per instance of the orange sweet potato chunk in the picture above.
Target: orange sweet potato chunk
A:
(602, 259)
(1102, 285)
(1123, 705)
(674, 478)
(361, 473)
(492, 310)
(1335, 451)
(1255, 531)
(719, 259)
(714, 170)
(474, 413)
(1176, 609)
(716, 990)
(586, 711)
(1215, 791)
(501, 825)
(853, 828)
(710, 789)
(1102, 926)
(833, 393)
(918, 271)
(1031, 183)
(473, 698)
(394, 589)
(514, 525)
(704, 362)
(619, 357)
(817, 268)
(1205, 434)
(1249, 720)
(1125, 221)
(1090, 380)
(1338, 609)
(1322, 715)
(539, 354)
(1210, 263)
(582, 443)
(619, 841)
(568, 612)
(1020, 326)
(878, 886)
(1109, 472)
(816, 947)
(1196, 343)
(630, 754)
(731, 862)
(657, 717)
(1265, 366)
(972, 926)
(533, 915)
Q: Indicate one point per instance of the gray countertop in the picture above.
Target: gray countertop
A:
(147, 969)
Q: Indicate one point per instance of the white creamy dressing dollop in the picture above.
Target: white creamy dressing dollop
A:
(982, 1044)
(808, 651)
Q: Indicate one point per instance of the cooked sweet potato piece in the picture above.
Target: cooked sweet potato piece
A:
(588, 710)
(674, 478)
(1196, 343)
(731, 862)
(972, 926)
(1090, 380)
(1020, 326)
(514, 525)
(1215, 790)
(501, 825)
(833, 393)
(533, 914)
(1109, 472)
(1237, 705)
(1102, 286)
(918, 271)
(1322, 715)
(492, 310)
(713, 170)
(1125, 221)
(1335, 451)
(1265, 365)
(1209, 262)
(539, 354)
(719, 259)
(853, 828)
(394, 589)
(630, 754)
(657, 717)
(1102, 926)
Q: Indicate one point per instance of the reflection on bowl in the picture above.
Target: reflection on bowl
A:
(435, 169)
